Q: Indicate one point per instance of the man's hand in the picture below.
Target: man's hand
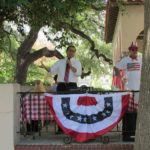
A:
(70, 65)
(117, 72)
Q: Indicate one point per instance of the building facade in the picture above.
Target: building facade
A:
(124, 26)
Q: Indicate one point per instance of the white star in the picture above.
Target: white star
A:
(64, 105)
(107, 112)
(108, 104)
(103, 114)
(71, 116)
(67, 113)
(94, 118)
(85, 119)
(79, 118)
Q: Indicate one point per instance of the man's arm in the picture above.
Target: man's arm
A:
(121, 65)
(79, 69)
(73, 69)
(71, 66)
(76, 68)
(54, 69)
(117, 72)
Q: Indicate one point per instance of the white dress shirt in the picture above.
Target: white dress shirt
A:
(60, 66)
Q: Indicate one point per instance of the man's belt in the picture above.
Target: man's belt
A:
(66, 83)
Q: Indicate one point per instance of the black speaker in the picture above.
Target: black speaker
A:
(129, 126)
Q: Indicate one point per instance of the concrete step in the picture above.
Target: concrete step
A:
(76, 147)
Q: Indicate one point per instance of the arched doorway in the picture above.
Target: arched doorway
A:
(140, 41)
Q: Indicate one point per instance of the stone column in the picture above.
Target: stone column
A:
(9, 116)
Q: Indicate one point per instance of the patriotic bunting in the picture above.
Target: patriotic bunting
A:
(86, 116)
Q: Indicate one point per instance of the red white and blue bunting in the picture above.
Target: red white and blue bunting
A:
(86, 116)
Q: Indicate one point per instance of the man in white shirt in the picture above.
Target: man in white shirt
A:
(68, 70)
(132, 66)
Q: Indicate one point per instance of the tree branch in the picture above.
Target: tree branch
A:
(103, 7)
(43, 52)
(27, 44)
(88, 38)
(43, 67)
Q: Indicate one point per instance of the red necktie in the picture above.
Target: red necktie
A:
(66, 77)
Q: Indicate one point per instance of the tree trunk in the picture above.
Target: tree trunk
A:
(142, 140)
(25, 57)
(23, 52)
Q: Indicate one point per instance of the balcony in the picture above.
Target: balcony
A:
(41, 133)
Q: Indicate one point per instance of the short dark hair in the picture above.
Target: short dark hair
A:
(70, 46)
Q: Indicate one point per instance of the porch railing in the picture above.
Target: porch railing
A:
(35, 118)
